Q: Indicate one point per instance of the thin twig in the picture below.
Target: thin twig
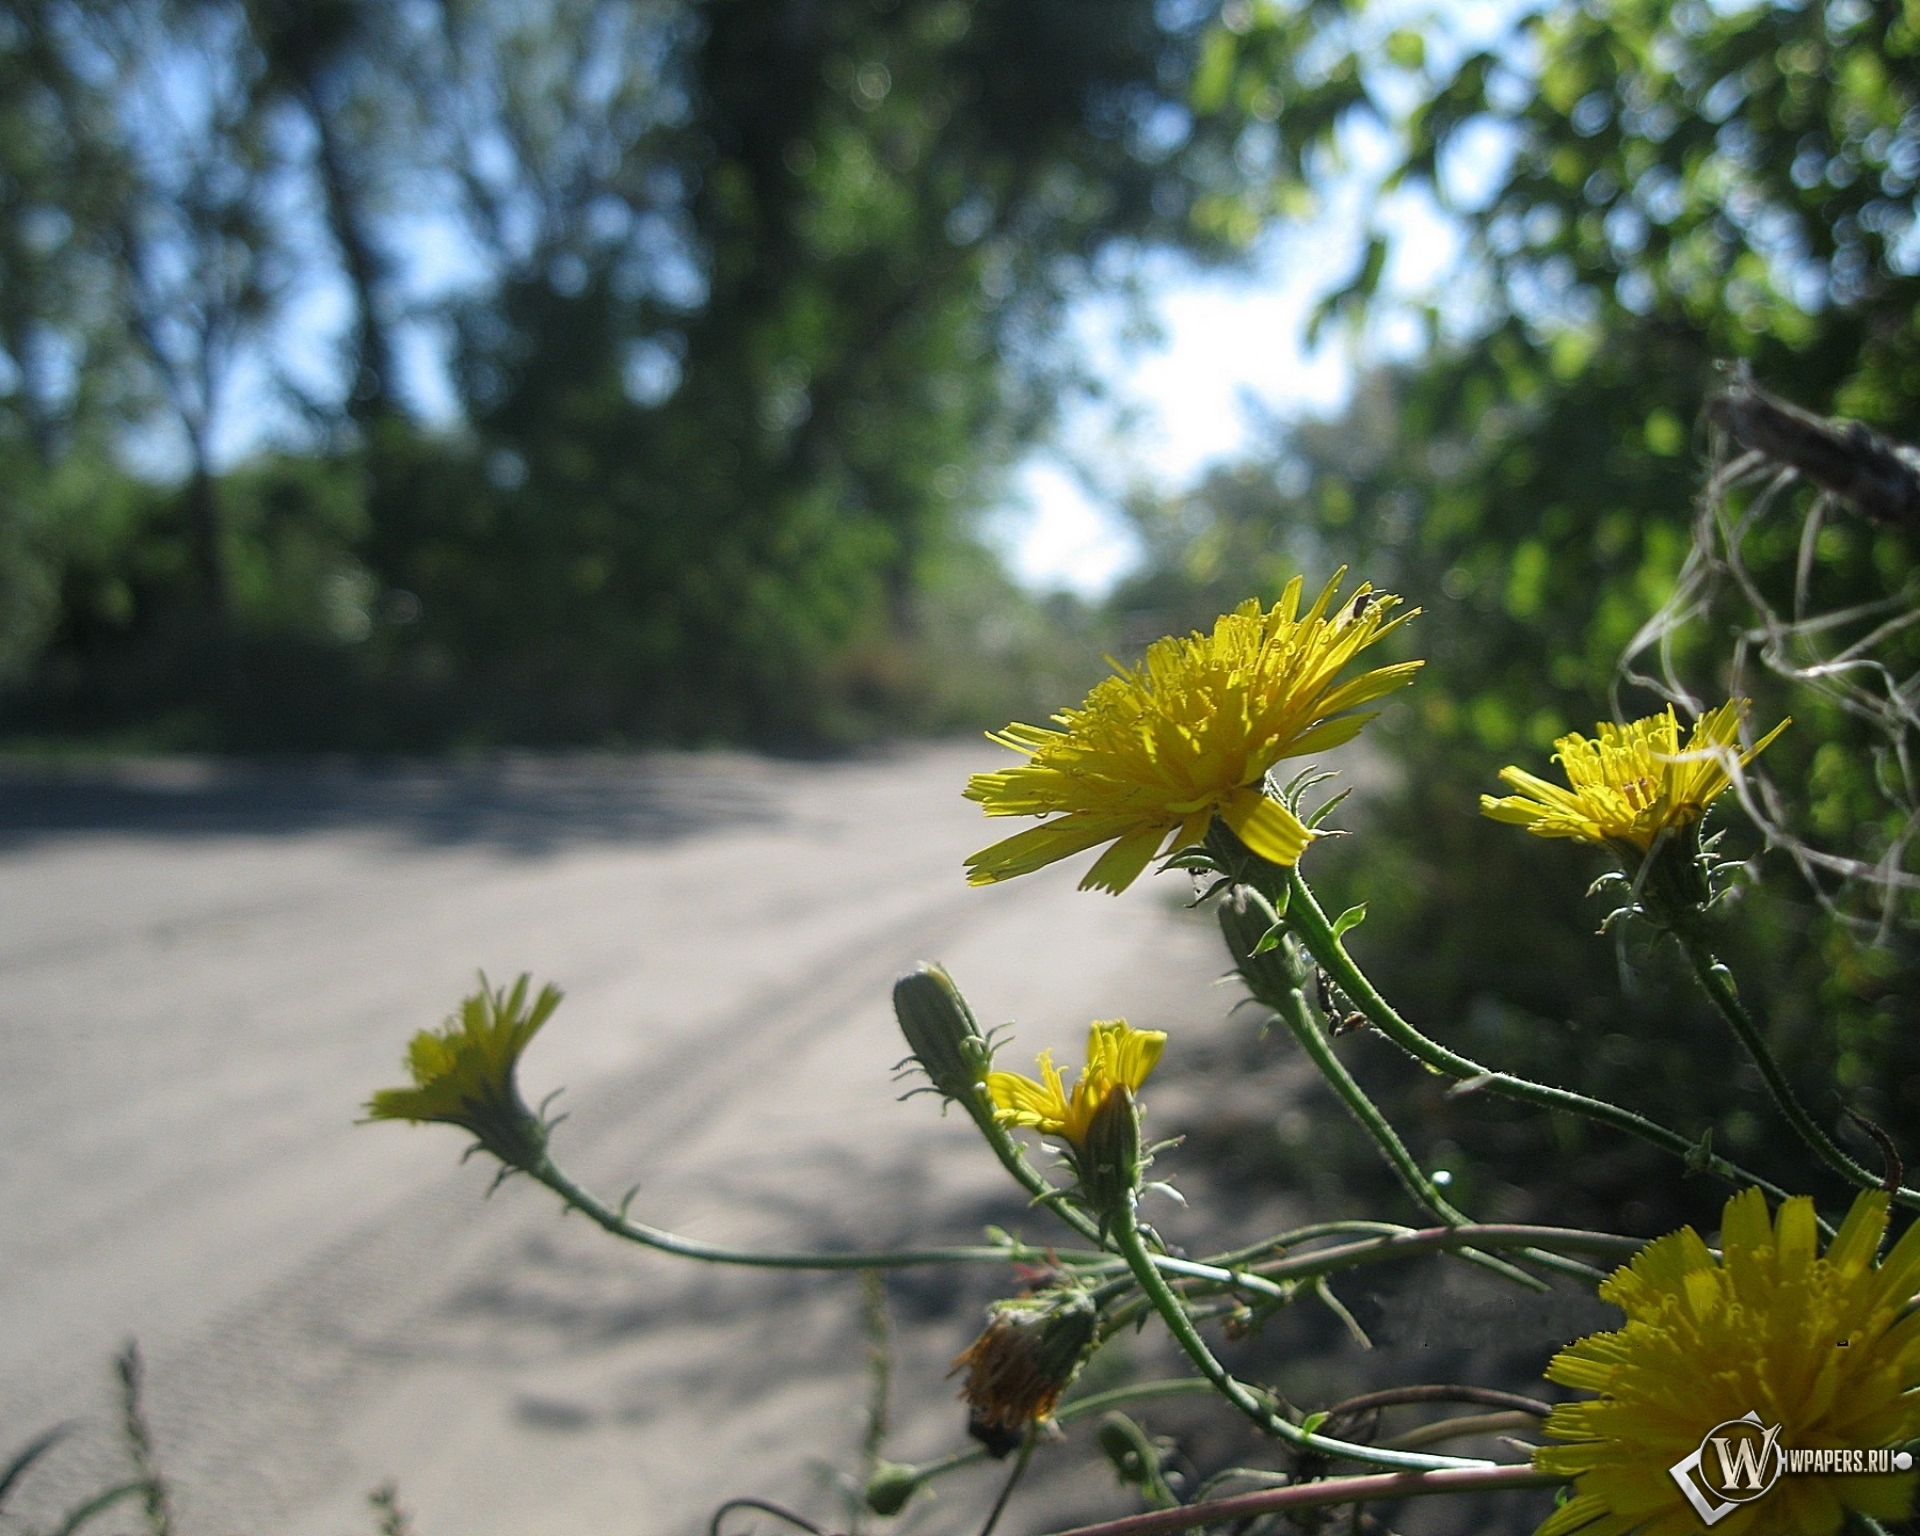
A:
(766, 1507)
(1444, 1392)
(1877, 477)
(1335, 1490)
(1013, 1481)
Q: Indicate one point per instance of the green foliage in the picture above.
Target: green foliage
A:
(1687, 184)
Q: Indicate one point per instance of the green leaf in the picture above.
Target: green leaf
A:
(1313, 1421)
(1270, 939)
(1353, 917)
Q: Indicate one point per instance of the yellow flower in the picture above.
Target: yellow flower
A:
(463, 1073)
(1817, 1346)
(1118, 1056)
(1632, 784)
(1153, 754)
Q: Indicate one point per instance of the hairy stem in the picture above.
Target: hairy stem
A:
(1293, 1013)
(1273, 978)
(620, 1225)
(1718, 985)
(1405, 1244)
(1012, 1482)
(1125, 1229)
(1310, 922)
(1030, 1178)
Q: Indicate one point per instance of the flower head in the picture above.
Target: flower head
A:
(1155, 753)
(1632, 784)
(464, 1072)
(1820, 1346)
(1118, 1056)
(1022, 1361)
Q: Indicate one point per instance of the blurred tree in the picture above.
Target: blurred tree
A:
(776, 300)
(61, 346)
(334, 60)
(193, 229)
(752, 302)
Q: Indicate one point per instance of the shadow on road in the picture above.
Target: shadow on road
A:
(518, 803)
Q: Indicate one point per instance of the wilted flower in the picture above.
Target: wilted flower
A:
(1632, 784)
(1022, 1361)
(1118, 1056)
(464, 1072)
(1155, 753)
(1821, 1348)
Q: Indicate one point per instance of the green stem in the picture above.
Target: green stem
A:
(1099, 1402)
(620, 1225)
(1124, 1226)
(1310, 922)
(1406, 1244)
(99, 1504)
(1281, 1241)
(1030, 1178)
(1272, 1277)
(1013, 1480)
(1079, 1408)
(1715, 979)
(1293, 1013)
(1273, 980)
(617, 1222)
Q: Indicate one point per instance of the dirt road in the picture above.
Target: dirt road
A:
(203, 972)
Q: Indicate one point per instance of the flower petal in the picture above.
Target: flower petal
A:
(1266, 827)
(1120, 865)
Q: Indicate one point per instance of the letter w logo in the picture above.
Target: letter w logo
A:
(1745, 1462)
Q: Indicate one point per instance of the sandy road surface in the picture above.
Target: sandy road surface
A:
(203, 973)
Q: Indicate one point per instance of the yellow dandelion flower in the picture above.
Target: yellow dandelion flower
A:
(1155, 753)
(1632, 784)
(1118, 1056)
(1819, 1347)
(464, 1072)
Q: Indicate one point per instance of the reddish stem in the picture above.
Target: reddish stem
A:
(1335, 1490)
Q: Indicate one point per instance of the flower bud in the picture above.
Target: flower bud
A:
(1136, 1458)
(1022, 1361)
(891, 1485)
(1245, 922)
(1109, 1158)
(943, 1037)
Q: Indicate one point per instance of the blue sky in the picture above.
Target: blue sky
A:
(1232, 356)
(1233, 353)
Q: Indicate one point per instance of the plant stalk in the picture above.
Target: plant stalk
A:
(1333, 1490)
(1716, 982)
(1310, 922)
(1124, 1227)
